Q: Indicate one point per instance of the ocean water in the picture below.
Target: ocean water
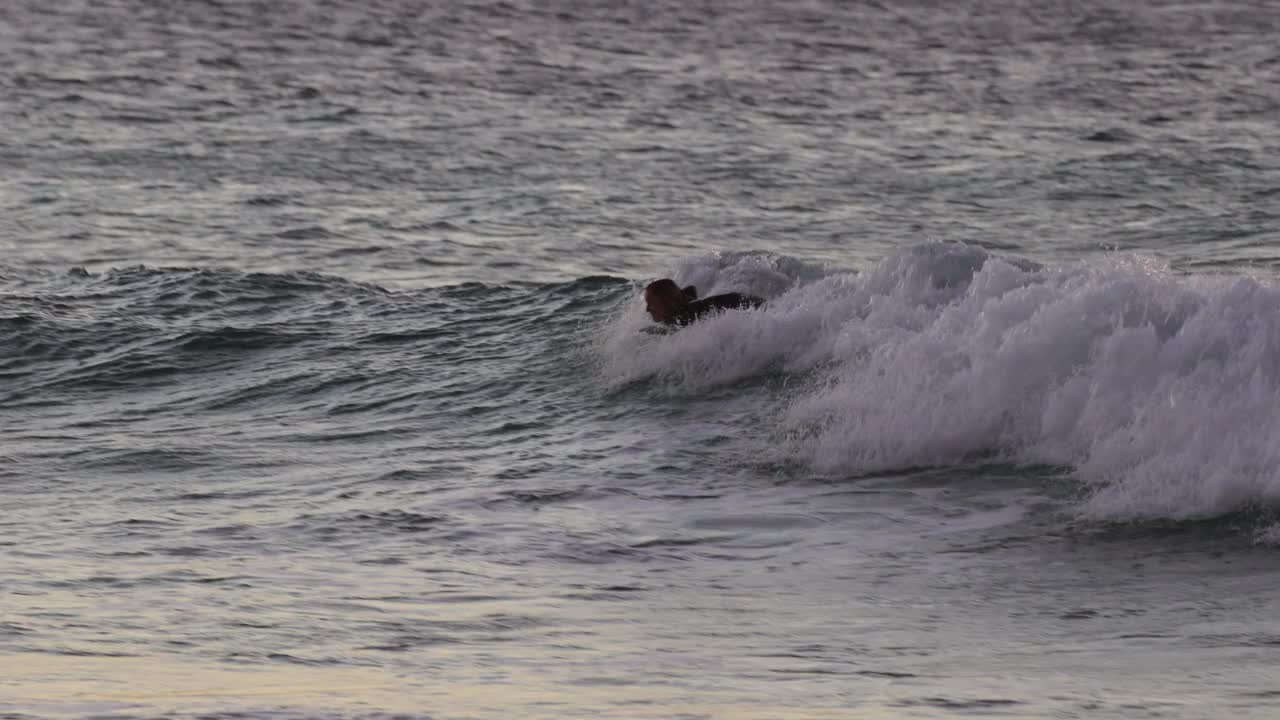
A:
(326, 389)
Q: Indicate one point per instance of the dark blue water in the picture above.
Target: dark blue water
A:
(326, 388)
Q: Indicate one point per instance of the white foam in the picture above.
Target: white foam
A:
(1161, 390)
(727, 346)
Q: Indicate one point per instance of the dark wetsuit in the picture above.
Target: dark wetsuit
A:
(699, 309)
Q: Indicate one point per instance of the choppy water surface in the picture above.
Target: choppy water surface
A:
(325, 389)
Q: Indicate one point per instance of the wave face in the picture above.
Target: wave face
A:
(230, 373)
(1161, 391)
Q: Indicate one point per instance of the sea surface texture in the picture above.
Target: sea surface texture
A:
(327, 391)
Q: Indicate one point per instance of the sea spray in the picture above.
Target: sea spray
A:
(1161, 390)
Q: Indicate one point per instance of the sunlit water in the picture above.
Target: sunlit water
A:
(326, 389)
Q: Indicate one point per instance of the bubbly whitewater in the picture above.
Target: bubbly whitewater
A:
(326, 388)
(1158, 391)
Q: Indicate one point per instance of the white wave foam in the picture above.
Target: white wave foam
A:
(725, 347)
(1163, 391)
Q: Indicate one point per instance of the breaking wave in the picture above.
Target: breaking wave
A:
(1161, 390)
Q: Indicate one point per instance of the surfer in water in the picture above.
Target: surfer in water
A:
(668, 304)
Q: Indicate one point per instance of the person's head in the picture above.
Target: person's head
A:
(663, 299)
